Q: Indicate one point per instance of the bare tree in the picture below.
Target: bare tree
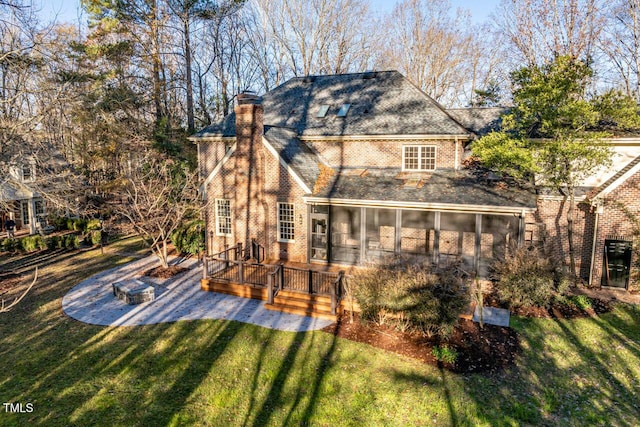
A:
(430, 47)
(318, 36)
(157, 196)
(621, 44)
(536, 31)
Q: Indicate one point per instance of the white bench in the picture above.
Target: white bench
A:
(133, 291)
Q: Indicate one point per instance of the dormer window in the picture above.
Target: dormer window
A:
(323, 110)
(28, 172)
(418, 158)
(343, 110)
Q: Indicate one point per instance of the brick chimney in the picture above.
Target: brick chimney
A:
(249, 169)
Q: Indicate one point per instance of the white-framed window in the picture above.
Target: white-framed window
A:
(39, 207)
(25, 213)
(28, 171)
(419, 157)
(223, 217)
(286, 222)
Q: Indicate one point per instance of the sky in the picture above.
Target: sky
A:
(67, 10)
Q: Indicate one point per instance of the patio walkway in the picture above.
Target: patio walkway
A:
(179, 298)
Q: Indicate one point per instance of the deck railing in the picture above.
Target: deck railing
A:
(229, 266)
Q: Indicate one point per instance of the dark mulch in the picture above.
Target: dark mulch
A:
(479, 349)
(486, 349)
(565, 311)
(165, 273)
(557, 311)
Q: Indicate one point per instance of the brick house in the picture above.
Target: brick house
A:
(346, 169)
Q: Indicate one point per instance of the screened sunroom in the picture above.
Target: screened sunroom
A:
(344, 234)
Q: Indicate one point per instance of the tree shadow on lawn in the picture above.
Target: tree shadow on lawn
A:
(85, 374)
(76, 373)
(563, 376)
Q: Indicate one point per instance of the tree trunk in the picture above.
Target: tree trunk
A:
(165, 257)
(191, 126)
(156, 64)
(570, 220)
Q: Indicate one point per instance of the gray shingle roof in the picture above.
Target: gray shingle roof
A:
(381, 103)
(481, 120)
(295, 153)
(225, 127)
(443, 187)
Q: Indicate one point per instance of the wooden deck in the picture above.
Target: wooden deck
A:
(297, 288)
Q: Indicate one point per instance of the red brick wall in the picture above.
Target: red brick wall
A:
(386, 154)
(255, 182)
(209, 155)
(617, 220)
(553, 214)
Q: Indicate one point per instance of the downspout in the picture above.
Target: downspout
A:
(456, 159)
(599, 210)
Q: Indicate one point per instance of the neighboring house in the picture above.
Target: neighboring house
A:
(19, 201)
(346, 169)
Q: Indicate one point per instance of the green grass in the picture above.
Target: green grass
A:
(571, 372)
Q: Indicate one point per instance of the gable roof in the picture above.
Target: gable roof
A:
(617, 179)
(381, 103)
(479, 120)
(12, 189)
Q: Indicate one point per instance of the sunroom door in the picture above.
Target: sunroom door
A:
(319, 228)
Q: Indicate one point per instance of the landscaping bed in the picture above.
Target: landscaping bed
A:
(479, 349)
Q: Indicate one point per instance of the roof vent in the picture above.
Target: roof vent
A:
(492, 178)
(309, 79)
(369, 75)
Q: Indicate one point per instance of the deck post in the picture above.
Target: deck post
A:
(205, 267)
(270, 288)
(281, 278)
(241, 272)
(238, 252)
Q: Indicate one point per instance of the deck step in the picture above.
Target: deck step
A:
(312, 312)
(244, 291)
(316, 299)
(302, 303)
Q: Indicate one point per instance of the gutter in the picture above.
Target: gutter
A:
(504, 210)
(408, 137)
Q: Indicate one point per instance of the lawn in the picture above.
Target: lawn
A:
(570, 372)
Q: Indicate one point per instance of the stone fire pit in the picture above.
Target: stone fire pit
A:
(133, 291)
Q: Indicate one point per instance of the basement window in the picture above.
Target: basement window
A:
(343, 110)
(323, 110)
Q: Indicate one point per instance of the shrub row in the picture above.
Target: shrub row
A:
(411, 295)
(75, 224)
(38, 243)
